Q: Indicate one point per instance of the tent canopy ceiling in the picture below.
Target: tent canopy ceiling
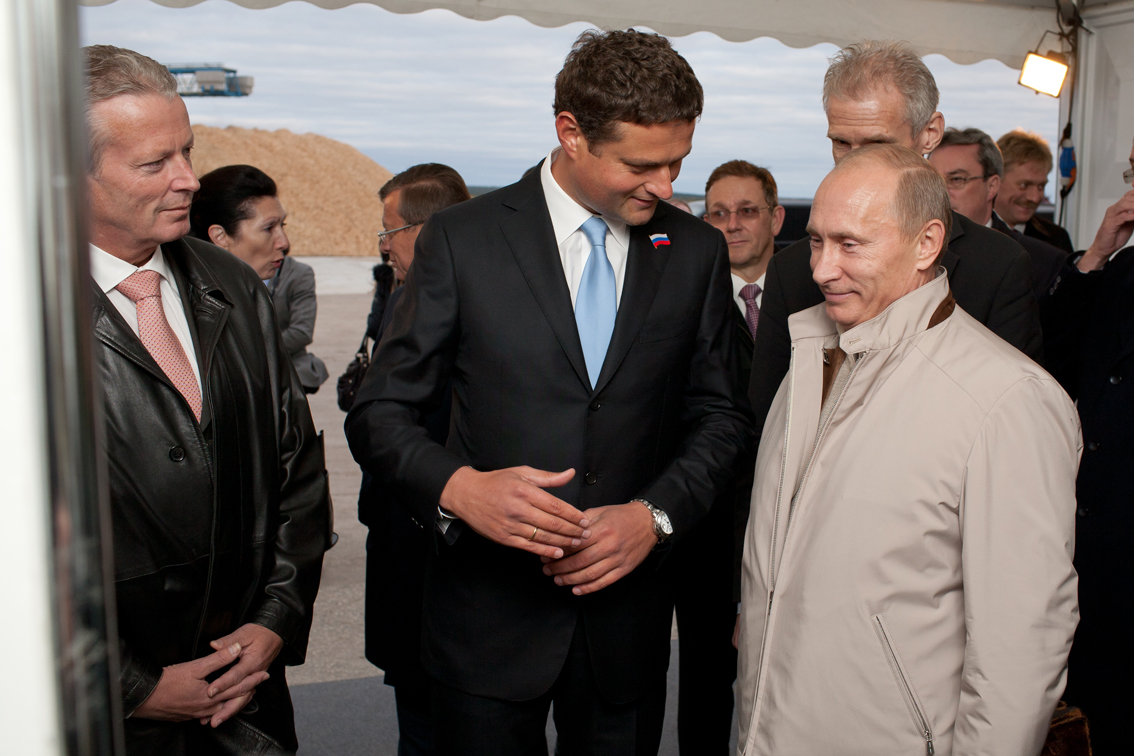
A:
(965, 31)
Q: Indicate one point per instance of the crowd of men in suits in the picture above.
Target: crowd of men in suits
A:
(840, 464)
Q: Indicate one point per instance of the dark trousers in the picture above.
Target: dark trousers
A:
(586, 724)
(415, 720)
(701, 569)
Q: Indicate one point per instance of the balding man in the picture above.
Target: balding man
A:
(907, 572)
(881, 92)
(218, 489)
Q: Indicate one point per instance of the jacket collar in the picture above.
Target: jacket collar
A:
(906, 317)
(205, 305)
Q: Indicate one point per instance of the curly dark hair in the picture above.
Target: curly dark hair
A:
(628, 77)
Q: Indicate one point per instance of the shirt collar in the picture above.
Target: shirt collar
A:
(739, 283)
(567, 215)
(108, 271)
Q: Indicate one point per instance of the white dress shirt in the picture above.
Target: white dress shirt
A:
(567, 218)
(108, 271)
(739, 283)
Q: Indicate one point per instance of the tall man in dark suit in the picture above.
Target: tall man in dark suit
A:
(971, 164)
(396, 546)
(584, 325)
(1027, 164)
(218, 488)
(1089, 327)
(742, 203)
(882, 92)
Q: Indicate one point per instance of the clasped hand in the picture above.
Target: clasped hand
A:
(586, 550)
(622, 536)
(184, 692)
(511, 508)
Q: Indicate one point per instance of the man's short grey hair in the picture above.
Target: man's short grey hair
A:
(991, 162)
(921, 195)
(863, 68)
(115, 71)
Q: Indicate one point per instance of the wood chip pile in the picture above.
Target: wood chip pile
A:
(329, 189)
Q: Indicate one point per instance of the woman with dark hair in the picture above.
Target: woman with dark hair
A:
(237, 208)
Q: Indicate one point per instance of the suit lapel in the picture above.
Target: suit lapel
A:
(644, 267)
(530, 236)
(207, 314)
(1119, 310)
(112, 330)
(203, 317)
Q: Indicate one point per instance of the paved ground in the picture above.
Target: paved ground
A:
(341, 706)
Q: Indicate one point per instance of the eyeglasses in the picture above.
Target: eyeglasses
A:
(723, 217)
(960, 182)
(383, 234)
(1128, 175)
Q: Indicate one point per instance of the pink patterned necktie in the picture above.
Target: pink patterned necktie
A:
(752, 310)
(144, 290)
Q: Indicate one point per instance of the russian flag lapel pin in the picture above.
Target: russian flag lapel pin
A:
(659, 240)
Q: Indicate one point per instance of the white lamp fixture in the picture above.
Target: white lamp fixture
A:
(1044, 73)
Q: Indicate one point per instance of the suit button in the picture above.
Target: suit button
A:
(1115, 380)
(596, 405)
(177, 454)
(1092, 446)
(1082, 511)
(591, 479)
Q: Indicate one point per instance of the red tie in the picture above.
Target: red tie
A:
(144, 290)
(752, 310)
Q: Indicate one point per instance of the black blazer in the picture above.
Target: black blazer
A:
(1046, 231)
(396, 554)
(1047, 261)
(990, 276)
(1089, 326)
(487, 306)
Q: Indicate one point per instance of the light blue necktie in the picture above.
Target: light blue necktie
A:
(597, 303)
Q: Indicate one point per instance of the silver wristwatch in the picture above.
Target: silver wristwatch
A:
(663, 528)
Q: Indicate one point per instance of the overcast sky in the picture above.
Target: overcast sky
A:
(436, 87)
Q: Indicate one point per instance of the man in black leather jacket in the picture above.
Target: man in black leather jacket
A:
(218, 487)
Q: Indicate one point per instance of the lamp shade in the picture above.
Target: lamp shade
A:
(1043, 74)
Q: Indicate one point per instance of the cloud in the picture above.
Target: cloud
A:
(435, 86)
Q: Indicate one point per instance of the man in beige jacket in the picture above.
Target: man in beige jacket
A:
(907, 580)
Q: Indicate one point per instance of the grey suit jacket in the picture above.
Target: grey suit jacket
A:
(293, 295)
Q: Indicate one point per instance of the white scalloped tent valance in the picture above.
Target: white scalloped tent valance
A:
(965, 31)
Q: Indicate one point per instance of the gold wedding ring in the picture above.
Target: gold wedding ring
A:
(533, 535)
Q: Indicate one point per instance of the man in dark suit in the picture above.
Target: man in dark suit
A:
(396, 546)
(741, 201)
(1027, 164)
(217, 484)
(971, 164)
(882, 92)
(584, 326)
(1089, 329)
